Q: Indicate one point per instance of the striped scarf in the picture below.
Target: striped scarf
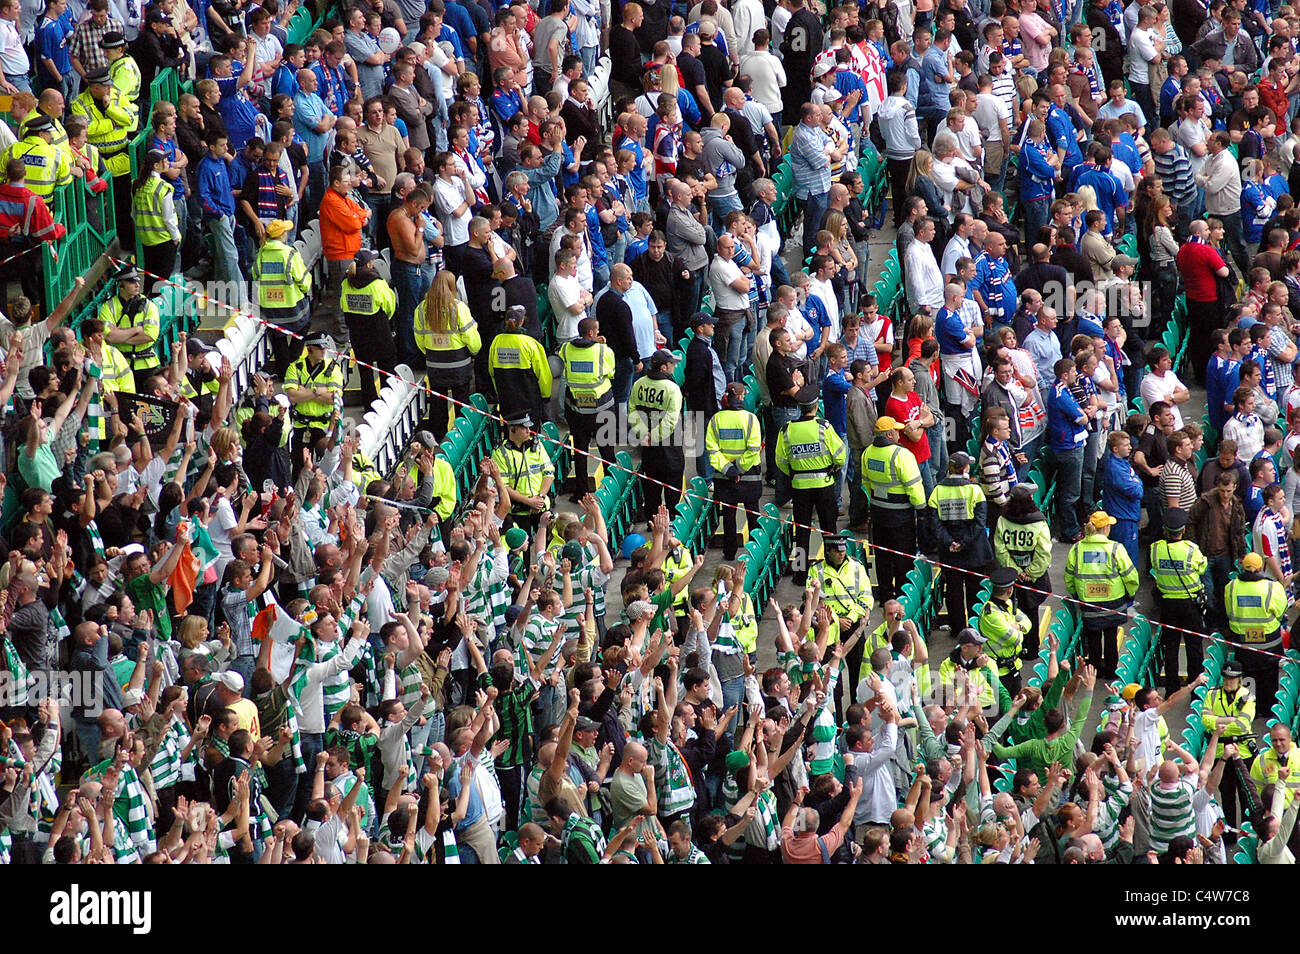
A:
(268, 203)
(673, 784)
(344, 783)
(725, 641)
(129, 806)
(19, 677)
(166, 765)
(96, 541)
(693, 857)
(524, 859)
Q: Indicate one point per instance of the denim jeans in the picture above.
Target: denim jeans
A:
(814, 208)
(720, 206)
(859, 506)
(664, 319)
(1030, 450)
(1087, 482)
(1069, 474)
(1037, 212)
(733, 694)
(225, 259)
(938, 447)
(729, 340)
(408, 282)
(599, 278)
(589, 55)
(622, 383)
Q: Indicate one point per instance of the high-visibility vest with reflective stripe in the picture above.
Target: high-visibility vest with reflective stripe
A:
(108, 128)
(1177, 566)
(1240, 707)
(891, 477)
(956, 501)
(588, 371)
(734, 437)
(125, 75)
(444, 488)
(1004, 626)
(58, 135)
(810, 451)
(675, 565)
(281, 275)
(44, 164)
(1098, 570)
(745, 624)
(150, 224)
(524, 470)
(846, 588)
(370, 299)
(447, 350)
(314, 413)
(1255, 609)
(142, 355)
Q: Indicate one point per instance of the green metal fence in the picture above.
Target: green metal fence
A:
(91, 230)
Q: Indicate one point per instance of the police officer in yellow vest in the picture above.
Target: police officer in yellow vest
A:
(444, 488)
(654, 423)
(734, 443)
(527, 471)
(1098, 571)
(133, 324)
(811, 453)
(745, 622)
(955, 521)
(283, 291)
(1231, 709)
(108, 127)
(156, 223)
(1279, 765)
(588, 400)
(368, 304)
(846, 591)
(1178, 565)
(47, 166)
(1256, 606)
(314, 385)
(124, 74)
(892, 481)
(677, 562)
(50, 105)
(1004, 626)
(520, 373)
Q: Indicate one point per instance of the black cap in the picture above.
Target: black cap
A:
(112, 40)
(318, 339)
(155, 155)
(195, 346)
(970, 637)
(39, 123)
(1175, 520)
(1004, 577)
(959, 461)
(586, 724)
(662, 357)
(99, 78)
(1232, 669)
(834, 542)
(157, 14)
(366, 256)
(520, 420)
(703, 318)
(127, 274)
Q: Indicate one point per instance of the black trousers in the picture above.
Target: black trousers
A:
(746, 493)
(822, 500)
(1184, 614)
(372, 342)
(1237, 782)
(159, 260)
(459, 388)
(888, 530)
(1263, 669)
(583, 429)
(1030, 603)
(960, 589)
(663, 465)
(898, 186)
(1102, 645)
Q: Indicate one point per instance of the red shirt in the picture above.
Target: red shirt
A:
(1198, 264)
(906, 411)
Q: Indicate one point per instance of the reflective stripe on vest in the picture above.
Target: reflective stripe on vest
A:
(887, 491)
(584, 376)
(1174, 578)
(150, 225)
(42, 165)
(275, 285)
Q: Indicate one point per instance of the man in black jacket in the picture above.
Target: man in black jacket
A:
(1110, 49)
(704, 383)
(615, 318)
(803, 41)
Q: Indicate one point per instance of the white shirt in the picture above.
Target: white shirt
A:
(564, 292)
(796, 324)
(722, 272)
(768, 77)
(1189, 132)
(644, 318)
(1161, 388)
(448, 195)
(13, 58)
(1141, 54)
(924, 280)
(1145, 727)
(956, 248)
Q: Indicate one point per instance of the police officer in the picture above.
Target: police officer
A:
(283, 293)
(447, 335)
(108, 127)
(846, 591)
(527, 471)
(1099, 572)
(810, 452)
(47, 165)
(1231, 709)
(968, 656)
(588, 399)
(314, 385)
(892, 481)
(521, 375)
(124, 73)
(955, 520)
(368, 304)
(654, 420)
(1004, 626)
(1256, 606)
(1178, 566)
(132, 324)
(1023, 539)
(734, 442)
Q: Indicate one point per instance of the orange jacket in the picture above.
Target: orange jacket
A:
(341, 218)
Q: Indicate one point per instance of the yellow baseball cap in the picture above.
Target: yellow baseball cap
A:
(1129, 691)
(886, 424)
(278, 227)
(1252, 562)
(1101, 520)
